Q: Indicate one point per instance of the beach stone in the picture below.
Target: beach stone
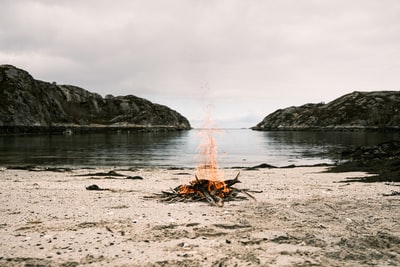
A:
(93, 187)
(136, 177)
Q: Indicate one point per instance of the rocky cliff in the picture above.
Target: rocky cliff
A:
(357, 111)
(28, 105)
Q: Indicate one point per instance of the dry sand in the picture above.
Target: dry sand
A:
(303, 217)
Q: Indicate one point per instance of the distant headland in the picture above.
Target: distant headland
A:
(357, 111)
(31, 106)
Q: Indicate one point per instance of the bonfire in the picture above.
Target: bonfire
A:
(208, 184)
(214, 192)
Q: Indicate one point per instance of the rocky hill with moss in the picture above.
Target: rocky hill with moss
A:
(357, 111)
(28, 105)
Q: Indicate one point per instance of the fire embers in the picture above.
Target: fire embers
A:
(214, 192)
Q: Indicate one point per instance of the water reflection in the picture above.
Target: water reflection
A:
(235, 148)
(319, 147)
(91, 149)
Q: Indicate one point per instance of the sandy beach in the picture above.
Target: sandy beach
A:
(302, 217)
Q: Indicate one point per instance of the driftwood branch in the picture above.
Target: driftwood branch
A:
(213, 192)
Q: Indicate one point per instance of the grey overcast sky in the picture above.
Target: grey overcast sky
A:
(245, 58)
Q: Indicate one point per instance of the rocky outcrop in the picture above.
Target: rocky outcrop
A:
(357, 111)
(382, 160)
(28, 105)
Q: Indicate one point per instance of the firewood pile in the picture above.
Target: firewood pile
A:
(213, 192)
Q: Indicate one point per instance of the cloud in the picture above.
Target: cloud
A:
(246, 57)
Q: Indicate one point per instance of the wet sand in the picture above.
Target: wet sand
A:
(302, 217)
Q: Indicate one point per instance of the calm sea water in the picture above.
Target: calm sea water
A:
(236, 147)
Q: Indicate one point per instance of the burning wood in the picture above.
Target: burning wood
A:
(211, 188)
(213, 191)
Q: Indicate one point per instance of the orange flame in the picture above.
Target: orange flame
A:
(208, 165)
(208, 175)
(208, 168)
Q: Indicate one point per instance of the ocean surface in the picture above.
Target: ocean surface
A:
(235, 148)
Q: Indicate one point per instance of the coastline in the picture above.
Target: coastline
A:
(337, 128)
(68, 129)
(303, 216)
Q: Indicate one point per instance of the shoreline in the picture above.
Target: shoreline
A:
(303, 216)
(33, 167)
(69, 129)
